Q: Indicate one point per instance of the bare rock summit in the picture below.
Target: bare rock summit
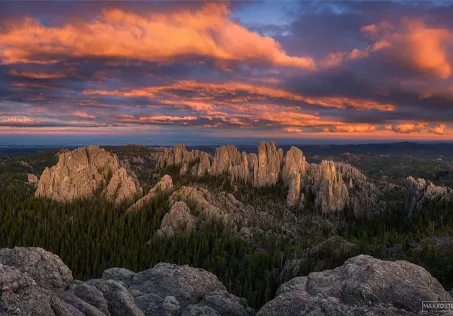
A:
(79, 173)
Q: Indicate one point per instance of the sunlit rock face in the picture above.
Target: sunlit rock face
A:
(269, 165)
(293, 170)
(420, 190)
(331, 193)
(79, 173)
(178, 155)
(332, 185)
(164, 185)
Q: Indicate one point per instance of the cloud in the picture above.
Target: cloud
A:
(408, 128)
(16, 121)
(412, 42)
(32, 75)
(439, 130)
(208, 32)
(239, 92)
(83, 115)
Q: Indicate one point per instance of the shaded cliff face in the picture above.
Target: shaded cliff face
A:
(36, 282)
(79, 173)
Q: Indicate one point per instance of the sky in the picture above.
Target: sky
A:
(321, 70)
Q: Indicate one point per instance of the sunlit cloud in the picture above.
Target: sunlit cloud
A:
(209, 32)
(439, 130)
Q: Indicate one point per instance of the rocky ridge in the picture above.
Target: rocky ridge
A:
(165, 184)
(36, 282)
(79, 173)
(330, 184)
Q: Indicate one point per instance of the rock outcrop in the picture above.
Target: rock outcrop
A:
(362, 286)
(326, 184)
(81, 172)
(332, 185)
(178, 155)
(36, 282)
(32, 179)
(164, 185)
(419, 191)
(191, 206)
(179, 219)
(204, 166)
(293, 171)
(269, 165)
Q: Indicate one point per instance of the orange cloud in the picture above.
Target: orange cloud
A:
(154, 119)
(17, 120)
(439, 130)
(293, 130)
(407, 128)
(83, 115)
(233, 89)
(208, 32)
(37, 75)
(423, 47)
(356, 128)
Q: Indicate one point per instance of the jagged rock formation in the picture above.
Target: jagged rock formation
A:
(81, 172)
(269, 164)
(192, 206)
(363, 285)
(204, 165)
(178, 155)
(326, 184)
(419, 190)
(179, 219)
(36, 282)
(332, 185)
(293, 171)
(164, 185)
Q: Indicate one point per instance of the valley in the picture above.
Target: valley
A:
(254, 217)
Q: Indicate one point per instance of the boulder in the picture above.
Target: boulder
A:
(185, 283)
(45, 268)
(120, 301)
(363, 285)
(36, 282)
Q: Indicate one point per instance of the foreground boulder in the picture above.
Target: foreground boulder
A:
(36, 282)
(81, 172)
(363, 285)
